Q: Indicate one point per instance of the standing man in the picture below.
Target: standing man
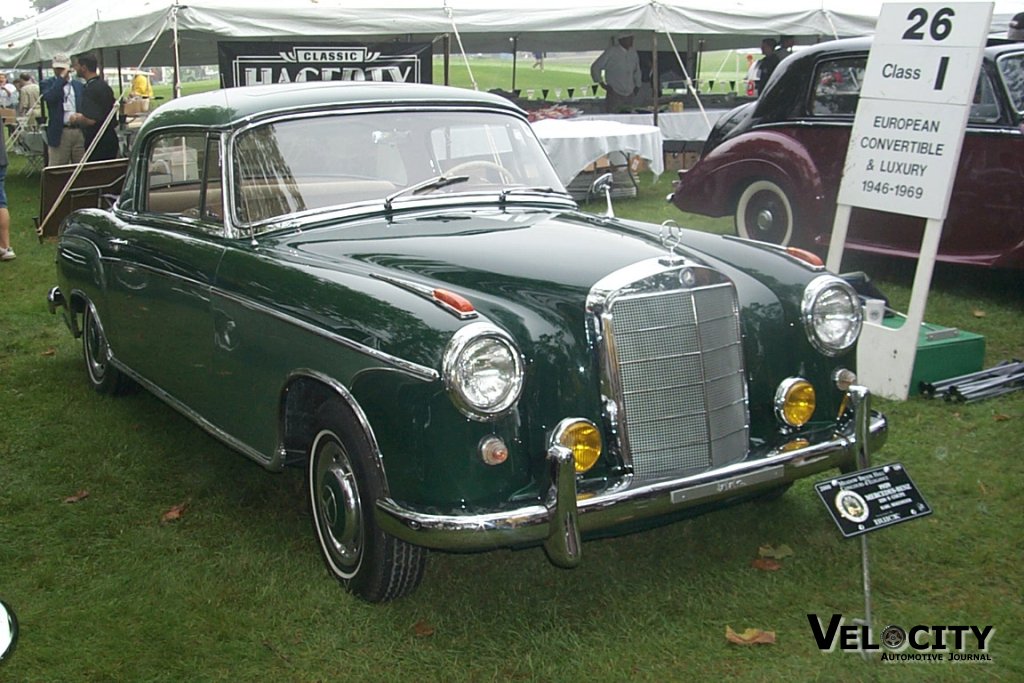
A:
(63, 97)
(28, 99)
(767, 64)
(97, 102)
(621, 77)
(8, 93)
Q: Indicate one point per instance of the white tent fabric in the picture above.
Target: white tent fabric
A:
(484, 25)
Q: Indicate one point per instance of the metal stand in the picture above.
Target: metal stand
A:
(861, 399)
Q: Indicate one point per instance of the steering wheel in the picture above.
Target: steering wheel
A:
(464, 167)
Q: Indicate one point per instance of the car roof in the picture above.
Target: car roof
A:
(231, 106)
(788, 84)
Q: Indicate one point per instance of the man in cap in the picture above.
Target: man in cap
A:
(1016, 29)
(63, 97)
(617, 70)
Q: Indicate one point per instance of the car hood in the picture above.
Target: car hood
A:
(515, 262)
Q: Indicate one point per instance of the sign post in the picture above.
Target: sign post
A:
(904, 149)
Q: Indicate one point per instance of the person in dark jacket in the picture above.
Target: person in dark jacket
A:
(63, 96)
(97, 102)
(767, 65)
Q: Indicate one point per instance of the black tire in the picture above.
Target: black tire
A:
(343, 483)
(764, 212)
(102, 375)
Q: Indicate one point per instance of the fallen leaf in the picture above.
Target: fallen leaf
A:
(978, 313)
(751, 636)
(174, 514)
(422, 629)
(49, 352)
(1000, 417)
(78, 497)
(782, 552)
(766, 564)
(982, 488)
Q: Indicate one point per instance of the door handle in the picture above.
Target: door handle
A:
(117, 242)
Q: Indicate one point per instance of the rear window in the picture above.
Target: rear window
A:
(837, 84)
(1011, 68)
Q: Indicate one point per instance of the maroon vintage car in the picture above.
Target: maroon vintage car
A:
(775, 164)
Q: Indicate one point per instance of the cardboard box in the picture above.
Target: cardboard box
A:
(677, 161)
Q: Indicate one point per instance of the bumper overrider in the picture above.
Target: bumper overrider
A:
(559, 523)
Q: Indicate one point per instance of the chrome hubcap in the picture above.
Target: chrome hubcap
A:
(340, 512)
(765, 219)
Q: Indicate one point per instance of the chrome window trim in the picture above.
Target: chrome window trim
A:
(359, 209)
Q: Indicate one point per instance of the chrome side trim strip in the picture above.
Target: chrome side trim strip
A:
(418, 371)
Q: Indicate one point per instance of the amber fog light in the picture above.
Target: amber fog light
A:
(794, 401)
(493, 450)
(582, 438)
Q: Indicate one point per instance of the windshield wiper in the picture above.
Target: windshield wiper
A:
(428, 185)
(538, 189)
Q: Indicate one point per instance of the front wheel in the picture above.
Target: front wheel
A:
(764, 212)
(343, 484)
(103, 376)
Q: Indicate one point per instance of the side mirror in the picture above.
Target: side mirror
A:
(603, 183)
(8, 631)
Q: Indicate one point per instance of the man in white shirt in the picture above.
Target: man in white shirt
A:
(617, 70)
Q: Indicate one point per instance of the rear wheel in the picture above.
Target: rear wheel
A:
(343, 484)
(764, 212)
(103, 376)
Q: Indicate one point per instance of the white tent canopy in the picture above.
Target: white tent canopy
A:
(483, 25)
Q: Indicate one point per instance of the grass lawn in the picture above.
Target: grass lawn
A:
(234, 590)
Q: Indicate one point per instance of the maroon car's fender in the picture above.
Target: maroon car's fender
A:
(715, 182)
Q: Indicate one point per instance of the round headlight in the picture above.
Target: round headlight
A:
(832, 314)
(483, 371)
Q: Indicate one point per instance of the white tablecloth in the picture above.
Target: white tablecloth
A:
(574, 144)
(688, 126)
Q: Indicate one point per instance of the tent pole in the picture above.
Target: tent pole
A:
(447, 59)
(120, 80)
(655, 81)
(515, 52)
(177, 55)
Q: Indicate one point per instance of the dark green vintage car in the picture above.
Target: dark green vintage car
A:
(388, 285)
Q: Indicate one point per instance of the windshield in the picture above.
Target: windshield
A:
(1012, 69)
(304, 164)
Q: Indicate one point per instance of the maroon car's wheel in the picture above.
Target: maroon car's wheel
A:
(103, 376)
(343, 485)
(764, 212)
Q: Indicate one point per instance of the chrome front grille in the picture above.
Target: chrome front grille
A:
(674, 365)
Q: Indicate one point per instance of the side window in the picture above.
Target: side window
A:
(837, 85)
(176, 168)
(984, 108)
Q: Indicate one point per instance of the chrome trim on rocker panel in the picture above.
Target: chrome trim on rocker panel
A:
(419, 371)
(274, 462)
(701, 430)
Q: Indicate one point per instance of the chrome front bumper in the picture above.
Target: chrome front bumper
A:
(559, 523)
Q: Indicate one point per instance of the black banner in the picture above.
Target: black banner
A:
(252, 63)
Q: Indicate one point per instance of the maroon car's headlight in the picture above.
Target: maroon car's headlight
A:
(483, 371)
(832, 314)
